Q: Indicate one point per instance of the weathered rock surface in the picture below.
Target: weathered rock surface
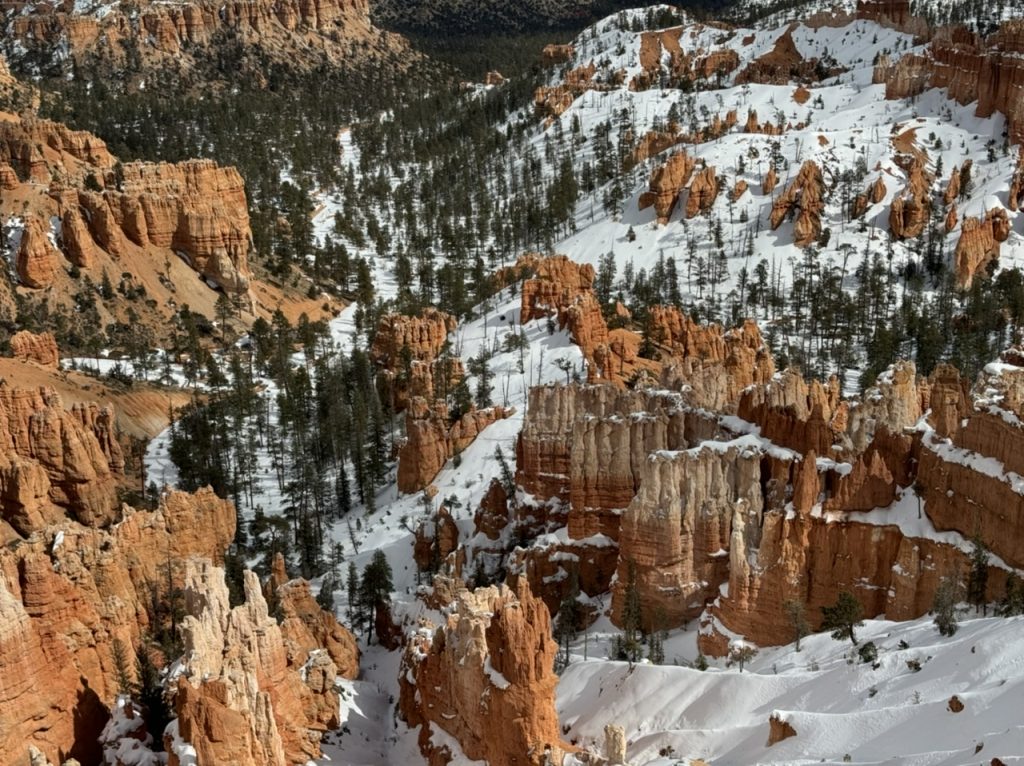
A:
(407, 352)
(703, 191)
(66, 595)
(39, 348)
(54, 461)
(988, 71)
(978, 246)
(239, 699)
(37, 259)
(802, 199)
(431, 440)
(300, 34)
(667, 183)
(485, 678)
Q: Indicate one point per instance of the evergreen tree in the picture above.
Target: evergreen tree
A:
(797, 616)
(843, 617)
(977, 577)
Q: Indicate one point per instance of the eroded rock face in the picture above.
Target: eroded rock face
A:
(179, 34)
(667, 183)
(37, 258)
(978, 246)
(802, 199)
(66, 595)
(908, 215)
(431, 441)
(54, 461)
(41, 348)
(703, 191)
(988, 71)
(485, 678)
(407, 351)
(241, 699)
(692, 507)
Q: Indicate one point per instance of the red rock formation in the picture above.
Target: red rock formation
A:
(435, 539)
(307, 32)
(52, 461)
(553, 101)
(952, 218)
(703, 191)
(66, 595)
(654, 142)
(679, 527)
(557, 284)
(667, 182)
(989, 72)
(738, 190)
(431, 441)
(239, 700)
(793, 413)
(406, 352)
(41, 348)
(485, 678)
(782, 64)
(778, 730)
(771, 180)
(37, 259)
(804, 199)
(909, 213)
(979, 244)
(557, 54)
(308, 629)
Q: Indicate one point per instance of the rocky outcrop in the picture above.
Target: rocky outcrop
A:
(308, 630)
(196, 208)
(485, 678)
(67, 594)
(553, 101)
(557, 54)
(41, 348)
(691, 509)
(431, 440)
(779, 729)
(703, 191)
(770, 180)
(783, 64)
(95, 206)
(988, 71)
(239, 700)
(299, 34)
(53, 461)
(804, 200)
(908, 215)
(407, 352)
(979, 243)
(435, 539)
(37, 259)
(556, 285)
(667, 183)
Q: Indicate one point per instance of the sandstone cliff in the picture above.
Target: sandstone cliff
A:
(180, 36)
(55, 462)
(66, 595)
(247, 695)
(485, 678)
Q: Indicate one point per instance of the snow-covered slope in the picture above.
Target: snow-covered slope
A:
(842, 709)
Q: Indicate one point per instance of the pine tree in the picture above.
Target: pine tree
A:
(119, 653)
(797, 616)
(376, 586)
(843, 617)
(977, 578)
